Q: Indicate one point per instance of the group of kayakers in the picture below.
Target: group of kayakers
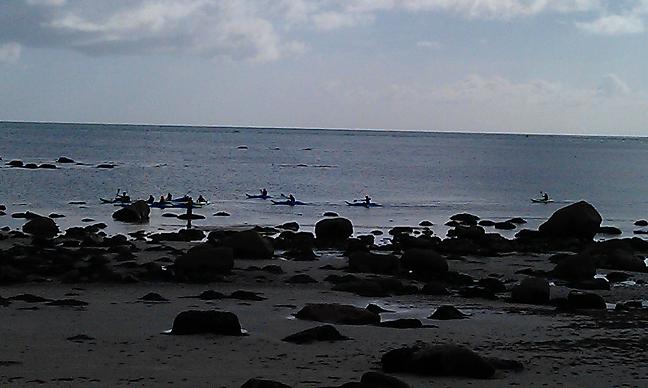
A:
(169, 198)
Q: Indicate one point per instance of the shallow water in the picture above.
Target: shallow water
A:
(415, 176)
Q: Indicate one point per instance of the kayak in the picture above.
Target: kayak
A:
(115, 200)
(362, 204)
(257, 196)
(177, 205)
(288, 203)
(541, 200)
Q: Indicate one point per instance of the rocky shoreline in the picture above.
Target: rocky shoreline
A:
(326, 308)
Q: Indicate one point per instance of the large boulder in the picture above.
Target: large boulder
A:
(424, 261)
(531, 291)
(574, 267)
(203, 261)
(138, 211)
(579, 220)
(585, 300)
(338, 313)
(437, 360)
(249, 244)
(360, 261)
(41, 227)
(333, 231)
(203, 322)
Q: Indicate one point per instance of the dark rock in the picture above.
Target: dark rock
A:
(425, 223)
(154, 297)
(447, 312)
(472, 232)
(397, 230)
(105, 165)
(170, 215)
(136, 212)
(611, 230)
(29, 298)
(377, 232)
(80, 338)
(330, 214)
(465, 218)
(592, 284)
(67, 302)
(640, 231)
(477, 292)
(579, 220)
(289, 226)
(585, 300)
(506, 225)
(423, 261)
(373, 263)
(246, 295)
(64, 159)
(249, 245)
(486, 223)
(273, 268)
(191, 234)
(574, 267)
(316, 334)
(42, 227)
(380, 380)
(531, 291)
(435, 288)
(211, 295)
(203, 261)
(517, 220)
(437, 360)
(376, 309)
(261, 383)
(333, 231)
(19, 163)
(616, 277)
(403, 323)
(202, 322)
(191, 216)
(221, 214)
(47, 166)
(55, 215)
(495, 285)
(641, 223)
(301, 279)
(338, 313)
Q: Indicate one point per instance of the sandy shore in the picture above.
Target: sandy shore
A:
(126, 344)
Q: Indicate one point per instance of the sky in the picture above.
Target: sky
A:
(518, 66)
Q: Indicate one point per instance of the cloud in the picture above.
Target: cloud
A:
(613, 86)
(10, 52)
(614, 25)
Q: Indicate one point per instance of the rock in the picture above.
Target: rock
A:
(517, 220)
(423, 261)
(506, 225)
(249, 244)
(425, 223)
(136, 212)
(316, 334)
(154, 297)
(641, 223)
(330, 214)
(67, 302)
(289, 226)
(585, 300)
(374, 308)
(221, 214)
(64, 159)
(333, 231)
(211, 295)
(465, 218)
(477, 292)
(170, 215)
(579, 220)
(380, 380)
(203, 261)
(105, 165)
(398, 230)
(42, 227)
(377, 232)
(495, 285)
(531, 291)
(403, 323)
(191, 234)
(447, 312)
(55, 215)
(592, 284)
(338, 313)
(246, 295)
(47, 166)
(301, 279)
(191, 216)
(472, 232)
(203, 322)
(611, 230)
(434, 288)
(260, 383)
(616, 277)
(19, 163)
(486, 223)
(437, 360)
(620, 259)
(574, 267)
(373, 263)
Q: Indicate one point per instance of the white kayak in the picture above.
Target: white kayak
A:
(541, 200)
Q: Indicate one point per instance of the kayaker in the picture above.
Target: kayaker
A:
(201, 199)
(264, 192)
(367, 200)
(545, 196)
(150, 199)
(291, 199)
(169, 197)
(162, 200)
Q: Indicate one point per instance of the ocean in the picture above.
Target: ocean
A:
(415, 175)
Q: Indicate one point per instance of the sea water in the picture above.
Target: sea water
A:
(415, 175)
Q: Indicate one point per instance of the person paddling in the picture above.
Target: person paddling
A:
(150, 199)
(291, 200)
(201, 199)
(545, 196)
(264, 193)
(367, 200)
(169, 197)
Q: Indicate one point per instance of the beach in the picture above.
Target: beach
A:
(107, 332)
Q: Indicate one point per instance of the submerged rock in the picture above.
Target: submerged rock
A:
(585, 300)
(338, 313)
(261, 383)
(447, 312)
(316, 334)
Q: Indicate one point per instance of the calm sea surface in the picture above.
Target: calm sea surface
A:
(416, 176)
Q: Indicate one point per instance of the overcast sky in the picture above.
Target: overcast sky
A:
(532, 66)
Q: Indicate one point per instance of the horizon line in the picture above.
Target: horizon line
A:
(232, 126)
